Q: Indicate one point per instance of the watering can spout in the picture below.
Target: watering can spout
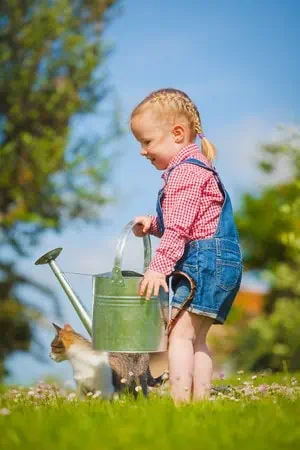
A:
(122, 320)
(49, 258)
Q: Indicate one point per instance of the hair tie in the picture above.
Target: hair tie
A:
(201, 135)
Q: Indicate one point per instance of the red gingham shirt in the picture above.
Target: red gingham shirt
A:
(191, 207)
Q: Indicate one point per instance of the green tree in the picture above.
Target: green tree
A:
(51, 53)
(269, 226)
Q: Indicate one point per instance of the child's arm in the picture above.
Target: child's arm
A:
(182, 198)
(154, 228)
(152, 281)
(181, 207)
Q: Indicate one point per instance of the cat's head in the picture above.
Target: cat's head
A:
(64, 339)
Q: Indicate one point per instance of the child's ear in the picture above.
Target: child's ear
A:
(178, 133)
(68, 327)
(56, 327)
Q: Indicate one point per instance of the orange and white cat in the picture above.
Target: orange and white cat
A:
(91, 369)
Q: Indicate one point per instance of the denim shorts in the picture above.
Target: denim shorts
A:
(215, 265)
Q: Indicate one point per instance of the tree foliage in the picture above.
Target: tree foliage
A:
(269, 225)
(51, 52)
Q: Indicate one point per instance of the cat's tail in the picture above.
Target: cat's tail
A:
(151, 381)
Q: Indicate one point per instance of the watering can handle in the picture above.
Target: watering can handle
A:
(117, 274)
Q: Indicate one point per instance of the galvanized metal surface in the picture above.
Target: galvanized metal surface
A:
(123, 321)
(128, 324)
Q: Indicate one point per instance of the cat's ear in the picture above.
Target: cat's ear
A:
(56, 327)
(68, 327)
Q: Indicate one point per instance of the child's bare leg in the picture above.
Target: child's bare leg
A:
(181, 358)
(203, 367)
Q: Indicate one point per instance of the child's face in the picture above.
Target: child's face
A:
(156, 138)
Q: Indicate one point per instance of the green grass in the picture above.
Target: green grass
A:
(247, 417)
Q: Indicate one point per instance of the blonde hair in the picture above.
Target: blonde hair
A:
(178, 103)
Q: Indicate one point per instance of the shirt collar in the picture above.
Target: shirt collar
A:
(185, 153)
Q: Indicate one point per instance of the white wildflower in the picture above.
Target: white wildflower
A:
(138, 388)
(97, 394)
(71, 396)
(254, 377)
(4, 412)
(123, 380)
(130, 374)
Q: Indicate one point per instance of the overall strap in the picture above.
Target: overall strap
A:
(195, 161)
(199, 163)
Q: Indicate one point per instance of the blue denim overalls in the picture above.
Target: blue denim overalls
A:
(215, 264)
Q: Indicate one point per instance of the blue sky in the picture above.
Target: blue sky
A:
(239, 62)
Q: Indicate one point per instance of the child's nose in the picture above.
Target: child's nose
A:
(143, 152)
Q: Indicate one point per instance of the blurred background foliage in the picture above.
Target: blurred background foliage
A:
(269, 226)
(51, 55)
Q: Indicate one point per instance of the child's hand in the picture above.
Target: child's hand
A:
(141, 226)
(151, 283)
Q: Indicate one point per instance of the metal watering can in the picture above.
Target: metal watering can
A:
(122, 321)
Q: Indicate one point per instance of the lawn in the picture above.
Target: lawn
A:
(245, 412)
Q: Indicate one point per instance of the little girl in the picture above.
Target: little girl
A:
(197, 230)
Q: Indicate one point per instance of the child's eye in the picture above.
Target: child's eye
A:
(147, 142)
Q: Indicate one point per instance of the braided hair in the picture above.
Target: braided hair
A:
(177, 103)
